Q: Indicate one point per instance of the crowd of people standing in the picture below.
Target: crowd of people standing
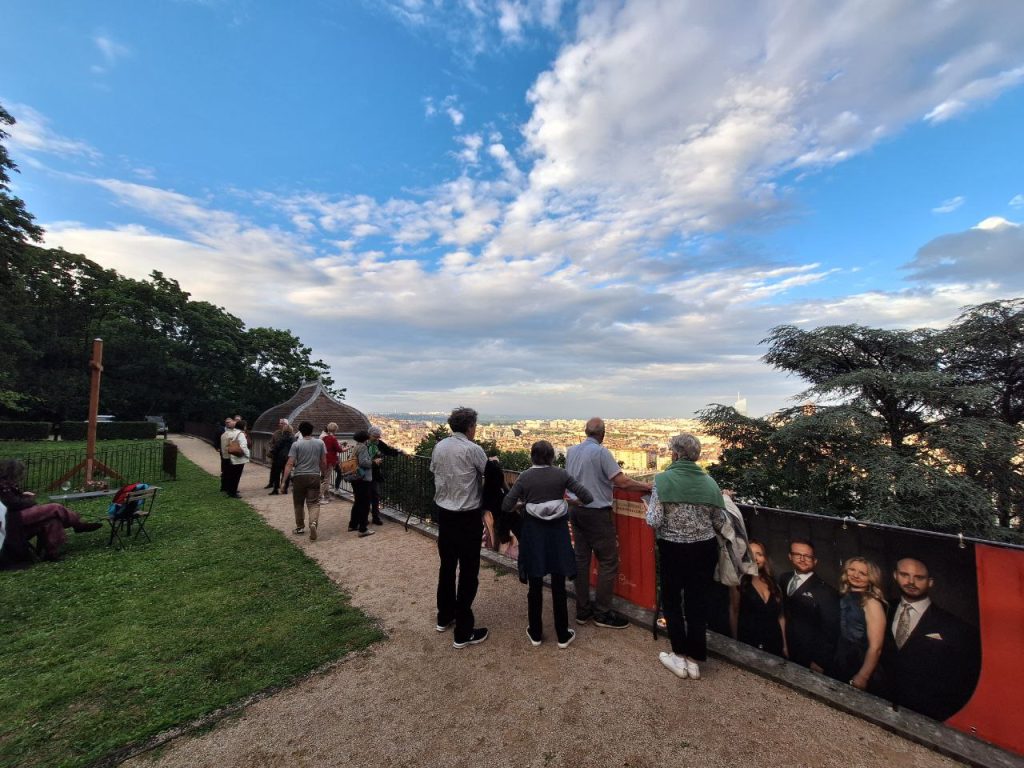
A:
(852, 633)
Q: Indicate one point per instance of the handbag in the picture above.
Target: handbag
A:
(235, 448)
(350, 469)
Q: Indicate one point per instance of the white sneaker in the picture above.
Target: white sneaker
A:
(692, 669)
(676, 664)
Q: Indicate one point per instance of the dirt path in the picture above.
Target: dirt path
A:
(413, 700)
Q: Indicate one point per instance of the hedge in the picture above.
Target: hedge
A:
(24, 430)
(109, 430)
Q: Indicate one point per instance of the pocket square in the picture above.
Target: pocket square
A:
(934, 636)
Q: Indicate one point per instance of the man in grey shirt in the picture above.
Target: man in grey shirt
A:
(307, 461)
(593, 525)
(458, 467)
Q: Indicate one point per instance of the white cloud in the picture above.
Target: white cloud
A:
(989, 252)
(110, 50)
(948, 206)
(1017, 201)
(32, 133)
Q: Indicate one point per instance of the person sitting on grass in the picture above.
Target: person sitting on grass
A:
(25, 519)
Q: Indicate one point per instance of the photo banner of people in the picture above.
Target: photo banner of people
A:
(932, 623)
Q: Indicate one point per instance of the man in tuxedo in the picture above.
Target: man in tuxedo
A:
(930, 659)
(812, 610)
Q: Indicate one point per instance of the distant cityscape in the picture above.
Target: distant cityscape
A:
(640, 445)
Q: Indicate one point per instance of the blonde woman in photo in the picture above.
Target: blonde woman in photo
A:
(862, 607)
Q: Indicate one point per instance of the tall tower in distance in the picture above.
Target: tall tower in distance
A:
(741, 405)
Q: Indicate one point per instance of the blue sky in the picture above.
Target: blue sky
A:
(534, 207)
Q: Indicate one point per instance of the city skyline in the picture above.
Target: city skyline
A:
(535, 207)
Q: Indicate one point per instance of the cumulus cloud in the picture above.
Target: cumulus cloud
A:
(989, 252)
(579, 269)
(948, 206)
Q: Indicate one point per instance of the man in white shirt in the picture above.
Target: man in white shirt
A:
(458, 467)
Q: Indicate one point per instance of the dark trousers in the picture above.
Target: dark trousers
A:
(361, 492)
(458, 543)
(594, 534)
(687, 577)
(276, 469)
(535, 605)
(375, 500)
(225, 468)
(232, 478)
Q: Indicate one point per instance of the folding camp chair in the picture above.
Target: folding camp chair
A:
(131, 507)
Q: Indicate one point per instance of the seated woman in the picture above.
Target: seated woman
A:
(761, 622)
(544, 545)
(25, 519)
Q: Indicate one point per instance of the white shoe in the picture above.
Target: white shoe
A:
(692, 669)
(676, 664)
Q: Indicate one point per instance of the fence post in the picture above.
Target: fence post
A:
(170, 459)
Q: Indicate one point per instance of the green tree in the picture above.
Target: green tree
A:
(903, 431)
(425, 447)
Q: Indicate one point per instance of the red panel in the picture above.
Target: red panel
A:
(995, 712)
(636, 552)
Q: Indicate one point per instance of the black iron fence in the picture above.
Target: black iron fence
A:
(408, 486)
(48, 472)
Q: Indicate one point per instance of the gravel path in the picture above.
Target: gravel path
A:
(413, 700)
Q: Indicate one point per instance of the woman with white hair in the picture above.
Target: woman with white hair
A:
(685, 510)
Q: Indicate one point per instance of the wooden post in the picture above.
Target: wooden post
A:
(95, 368)
(90, 464)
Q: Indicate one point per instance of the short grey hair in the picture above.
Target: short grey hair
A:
(686, 446)
(374, 431)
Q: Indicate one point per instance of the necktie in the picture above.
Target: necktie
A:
(793, 584)
(903, 626)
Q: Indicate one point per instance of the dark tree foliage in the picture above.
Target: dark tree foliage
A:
(163, 353)
(919, 428)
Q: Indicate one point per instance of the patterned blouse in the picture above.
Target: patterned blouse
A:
(681, 522)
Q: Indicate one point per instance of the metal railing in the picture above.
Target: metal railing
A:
(145, 462)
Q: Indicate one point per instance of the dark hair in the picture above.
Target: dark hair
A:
(305, 428)
(542, 453)
(462, 419)
(805, 542)
(12, 471)
(361, 436)
(240, 424)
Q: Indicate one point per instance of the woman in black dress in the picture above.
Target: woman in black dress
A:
(761, 621)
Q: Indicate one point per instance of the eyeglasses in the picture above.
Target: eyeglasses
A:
(800, 556)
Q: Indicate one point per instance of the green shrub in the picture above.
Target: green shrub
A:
(109, 430)
(24, 430)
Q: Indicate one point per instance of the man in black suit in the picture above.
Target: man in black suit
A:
(930, 659)
(812, 610)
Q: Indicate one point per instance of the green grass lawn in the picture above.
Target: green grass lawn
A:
(107, 648)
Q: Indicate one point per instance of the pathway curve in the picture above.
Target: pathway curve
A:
(413, 700)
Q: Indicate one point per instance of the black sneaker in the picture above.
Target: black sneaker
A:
(478, 636)
(446, 626)
(534, 640)
(610, 620)
(378, 521)
(568, 640)
(582, 617)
